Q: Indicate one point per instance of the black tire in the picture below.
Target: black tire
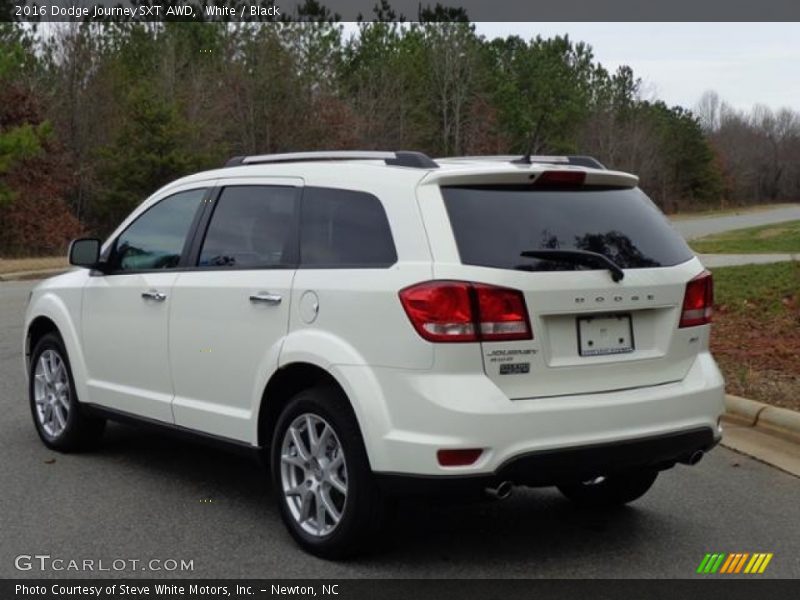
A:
(614, 490)
(362, 514)
(81, 431)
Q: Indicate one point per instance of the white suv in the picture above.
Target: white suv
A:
(379, 323)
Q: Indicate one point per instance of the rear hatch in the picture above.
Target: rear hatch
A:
(596, 326)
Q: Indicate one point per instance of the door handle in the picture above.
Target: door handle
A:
(154, 295)
(266, 298)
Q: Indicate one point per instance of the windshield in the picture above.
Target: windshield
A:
(495, 225)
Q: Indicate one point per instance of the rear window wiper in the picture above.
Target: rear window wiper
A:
(580, 257)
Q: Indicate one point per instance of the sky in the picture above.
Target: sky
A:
(745, 63)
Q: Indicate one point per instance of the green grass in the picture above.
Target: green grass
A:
(768, 287)
(765, 239)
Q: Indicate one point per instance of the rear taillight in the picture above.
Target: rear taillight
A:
(459, 311)
(698, 301)
(502, 314)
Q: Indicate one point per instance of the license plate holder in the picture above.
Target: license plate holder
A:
(605, 334)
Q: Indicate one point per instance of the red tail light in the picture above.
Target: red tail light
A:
(503, 315)
(459, 311)
(698, 301)
(565, 178)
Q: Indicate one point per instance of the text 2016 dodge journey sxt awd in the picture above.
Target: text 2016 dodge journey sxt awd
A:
(380, 323)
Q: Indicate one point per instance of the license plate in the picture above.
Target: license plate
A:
(609, 334)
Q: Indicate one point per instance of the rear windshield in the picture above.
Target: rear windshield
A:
(493, 225)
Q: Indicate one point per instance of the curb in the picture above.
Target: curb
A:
(772, 419)
(25, 275)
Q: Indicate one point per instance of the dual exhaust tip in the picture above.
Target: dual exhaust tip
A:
(504, 489)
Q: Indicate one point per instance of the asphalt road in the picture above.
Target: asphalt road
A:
(145, 497)
(701, 226)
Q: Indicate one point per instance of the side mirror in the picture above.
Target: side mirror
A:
(84, 252)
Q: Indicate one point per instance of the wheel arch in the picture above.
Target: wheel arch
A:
(37, 329)
(50, 313)
(293, 378)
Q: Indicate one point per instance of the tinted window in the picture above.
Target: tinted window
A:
(342, 228)
(252, 226)
(493, 225)
(155, 240)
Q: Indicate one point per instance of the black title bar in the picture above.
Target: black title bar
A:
(406, 10)
(708, 588)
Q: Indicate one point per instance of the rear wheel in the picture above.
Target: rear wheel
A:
(321, 476)
(614, 490)
(57, 414)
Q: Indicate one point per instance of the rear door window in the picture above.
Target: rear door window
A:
(493, 225)
(252, 227)
(344, 229)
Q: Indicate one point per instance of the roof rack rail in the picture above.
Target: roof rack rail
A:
(416, 160)
(571, 159)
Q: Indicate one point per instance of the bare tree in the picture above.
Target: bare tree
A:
(707, 110)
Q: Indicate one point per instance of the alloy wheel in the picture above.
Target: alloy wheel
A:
(313, 474)
(51, 393)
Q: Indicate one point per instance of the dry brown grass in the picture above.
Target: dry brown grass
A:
(15, 265)
(756, 332)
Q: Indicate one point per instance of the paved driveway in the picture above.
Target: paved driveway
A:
(702, 226)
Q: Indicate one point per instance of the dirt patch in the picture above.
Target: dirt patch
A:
(760, 357)
(773, 232)
(15, 265)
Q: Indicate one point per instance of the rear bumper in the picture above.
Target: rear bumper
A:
(566, 465)
(423, 412)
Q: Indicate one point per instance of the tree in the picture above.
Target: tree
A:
(452, 61)
(34, 171)
(708, 111)
(148, 151)
(542, 91)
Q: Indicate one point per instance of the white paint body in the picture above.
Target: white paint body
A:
(203, 358)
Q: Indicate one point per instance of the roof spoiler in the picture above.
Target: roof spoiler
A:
(578, 160)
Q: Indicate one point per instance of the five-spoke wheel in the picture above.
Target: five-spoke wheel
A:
(56, 412)
(51, 392)
(321, 475)
(314, 474)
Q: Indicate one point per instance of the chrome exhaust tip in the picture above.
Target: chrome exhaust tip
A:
(501, 492)
(694, 458)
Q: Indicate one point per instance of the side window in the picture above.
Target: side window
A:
(343, 228)
(155, 239)
(252, 226)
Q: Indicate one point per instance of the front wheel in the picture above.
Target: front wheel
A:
(614, 490)
(57, 414)
(321, 475)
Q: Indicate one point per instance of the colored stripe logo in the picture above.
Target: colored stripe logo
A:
(733, 563)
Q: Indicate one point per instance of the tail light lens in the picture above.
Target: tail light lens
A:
(698, 301)
(502, 314)
(459, 311)
(564, 178)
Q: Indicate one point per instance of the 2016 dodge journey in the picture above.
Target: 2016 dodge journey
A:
(381, 323)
